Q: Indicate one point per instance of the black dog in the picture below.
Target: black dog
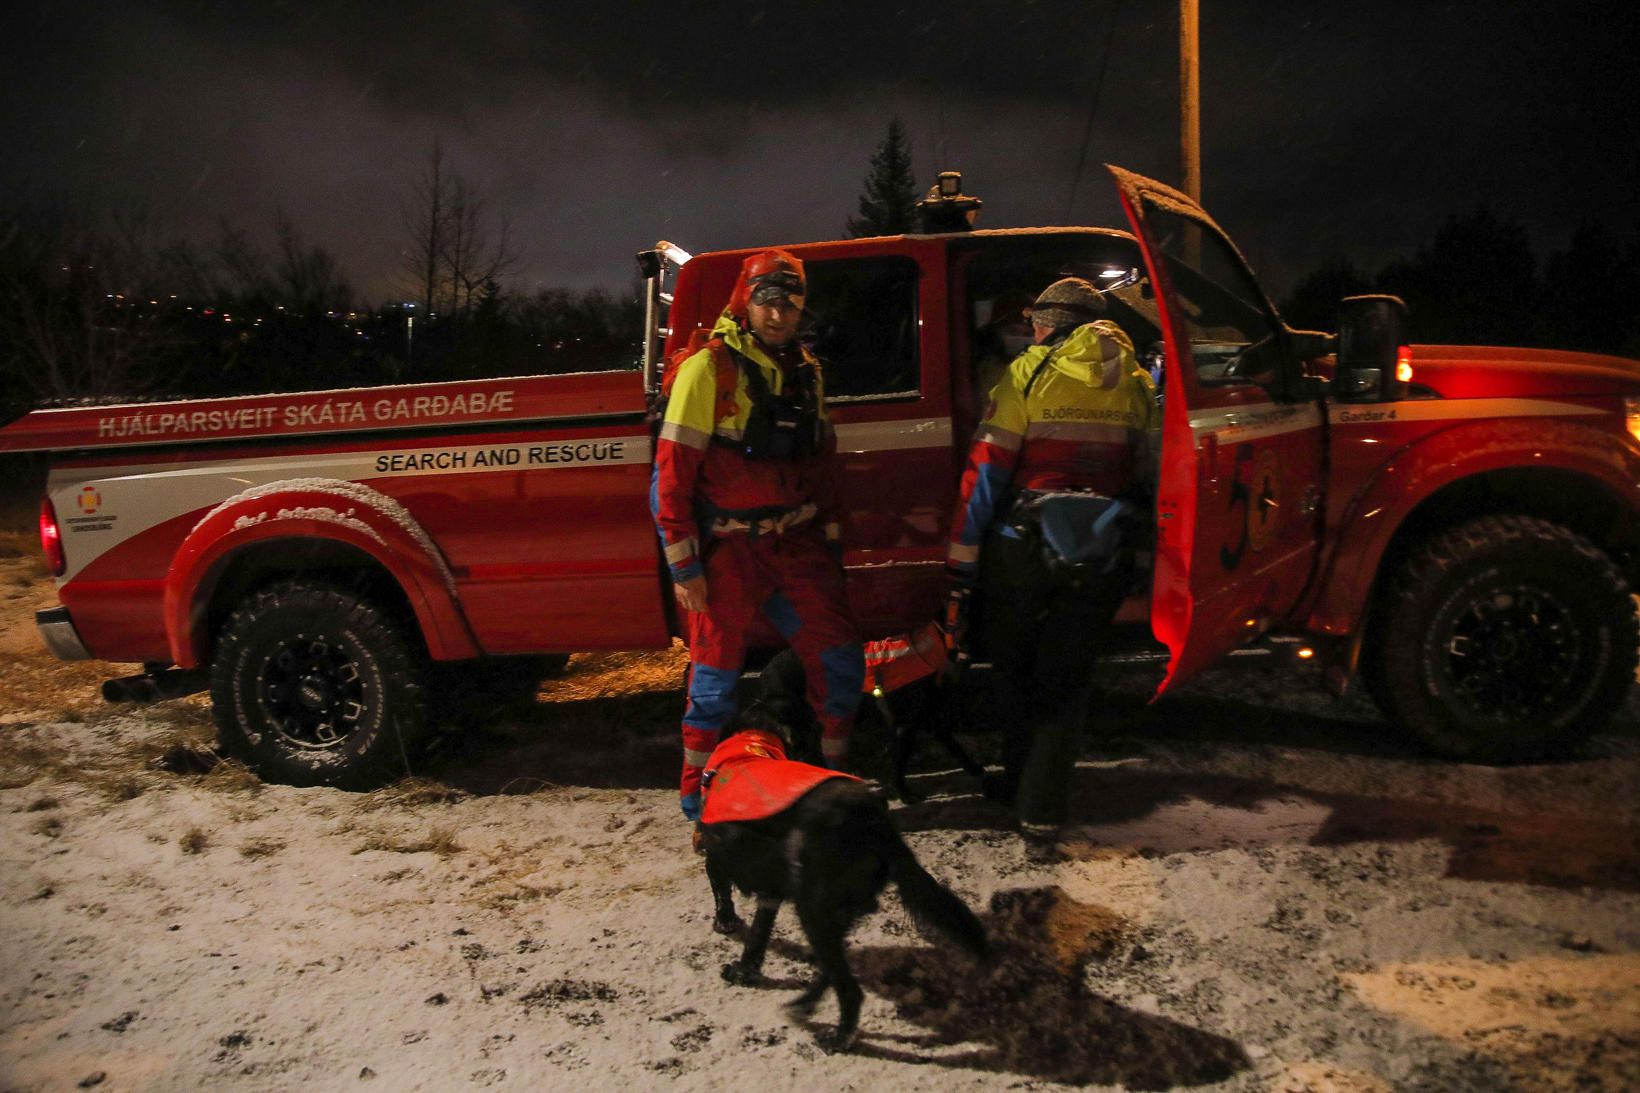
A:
(830, 852)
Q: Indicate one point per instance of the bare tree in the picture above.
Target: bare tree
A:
(306, 277)
(453, 250)
(473, 257)
(426, 215)
(76, 320)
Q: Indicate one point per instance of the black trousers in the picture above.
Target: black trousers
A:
(1043, 628)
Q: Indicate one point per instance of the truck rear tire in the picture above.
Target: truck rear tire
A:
(1505, 639)
(313, 685)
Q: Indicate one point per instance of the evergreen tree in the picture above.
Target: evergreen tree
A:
(886, 206)
(1475, 284)
(1313, 305)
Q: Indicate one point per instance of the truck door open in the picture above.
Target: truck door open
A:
(1238, 497)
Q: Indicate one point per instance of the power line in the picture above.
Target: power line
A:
(1093, 110)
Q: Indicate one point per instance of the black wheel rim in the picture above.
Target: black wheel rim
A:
(1509, 651)
(313, 692)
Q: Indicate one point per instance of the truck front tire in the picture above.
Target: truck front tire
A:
(314, 685)
(1505, 639)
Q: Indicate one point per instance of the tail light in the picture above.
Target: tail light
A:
(51, 538)
(1403, 364)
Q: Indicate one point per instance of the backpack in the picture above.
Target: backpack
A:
(778, 427)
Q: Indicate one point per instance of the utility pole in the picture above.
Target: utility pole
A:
(1190, 113)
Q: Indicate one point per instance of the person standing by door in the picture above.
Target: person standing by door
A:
(1057, 473)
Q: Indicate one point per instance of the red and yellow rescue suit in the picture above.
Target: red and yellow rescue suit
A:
(748, 777)
(1073, 416)
(1084, 425)
(763, 532)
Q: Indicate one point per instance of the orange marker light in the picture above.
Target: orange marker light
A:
(1403, 364)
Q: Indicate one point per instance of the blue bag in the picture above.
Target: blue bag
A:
(1079, 529)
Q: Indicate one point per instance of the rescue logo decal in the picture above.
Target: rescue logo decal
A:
(92, 515)
(1264, 513)
(1255, 489)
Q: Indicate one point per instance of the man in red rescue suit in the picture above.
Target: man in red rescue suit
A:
(1068, 424)
(744, 497)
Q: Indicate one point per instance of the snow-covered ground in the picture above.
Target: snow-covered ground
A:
(1263, 893)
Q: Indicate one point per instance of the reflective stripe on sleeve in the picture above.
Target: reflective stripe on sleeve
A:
(677, 552)
(999, 438)
(696, 758)
(959, 552)
(683, 434)
(834, 748)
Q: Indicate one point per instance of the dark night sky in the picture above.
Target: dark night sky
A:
(1328, 129)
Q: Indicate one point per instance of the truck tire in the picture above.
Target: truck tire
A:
(1505, 639)
(312, 685)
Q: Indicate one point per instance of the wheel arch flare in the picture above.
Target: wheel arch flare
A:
(358, 524)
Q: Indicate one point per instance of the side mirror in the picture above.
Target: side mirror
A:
(1371, 332)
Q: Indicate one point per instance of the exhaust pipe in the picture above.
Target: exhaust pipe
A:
(156, 686)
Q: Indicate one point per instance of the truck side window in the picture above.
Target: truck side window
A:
(862, 324)
(1233, 333)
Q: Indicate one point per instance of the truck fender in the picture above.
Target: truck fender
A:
(1417, 473)
(322, 508)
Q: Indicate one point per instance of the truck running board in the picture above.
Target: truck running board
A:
(156, 686)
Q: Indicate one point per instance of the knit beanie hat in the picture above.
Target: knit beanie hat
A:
(1067, 303)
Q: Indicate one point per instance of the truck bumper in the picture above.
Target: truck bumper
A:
(57, 630)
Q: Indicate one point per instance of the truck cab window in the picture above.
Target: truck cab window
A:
(1004, 274)
(1234, 335)
(862, 324)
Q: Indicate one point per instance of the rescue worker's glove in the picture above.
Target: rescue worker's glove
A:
(956, 625)
(690, 803)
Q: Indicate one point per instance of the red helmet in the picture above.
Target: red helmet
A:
(767, 276)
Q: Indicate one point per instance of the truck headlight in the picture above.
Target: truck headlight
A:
(1631, 404)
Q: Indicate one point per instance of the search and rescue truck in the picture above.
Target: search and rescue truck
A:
(1457, 526)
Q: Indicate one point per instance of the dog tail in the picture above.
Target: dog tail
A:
(932, 904)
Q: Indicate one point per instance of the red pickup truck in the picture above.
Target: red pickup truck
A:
(1457, 524)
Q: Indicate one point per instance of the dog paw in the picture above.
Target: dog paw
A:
(730, 924)
(740, 975)
(908, 795)
(801, 1008)
(838, 1041)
